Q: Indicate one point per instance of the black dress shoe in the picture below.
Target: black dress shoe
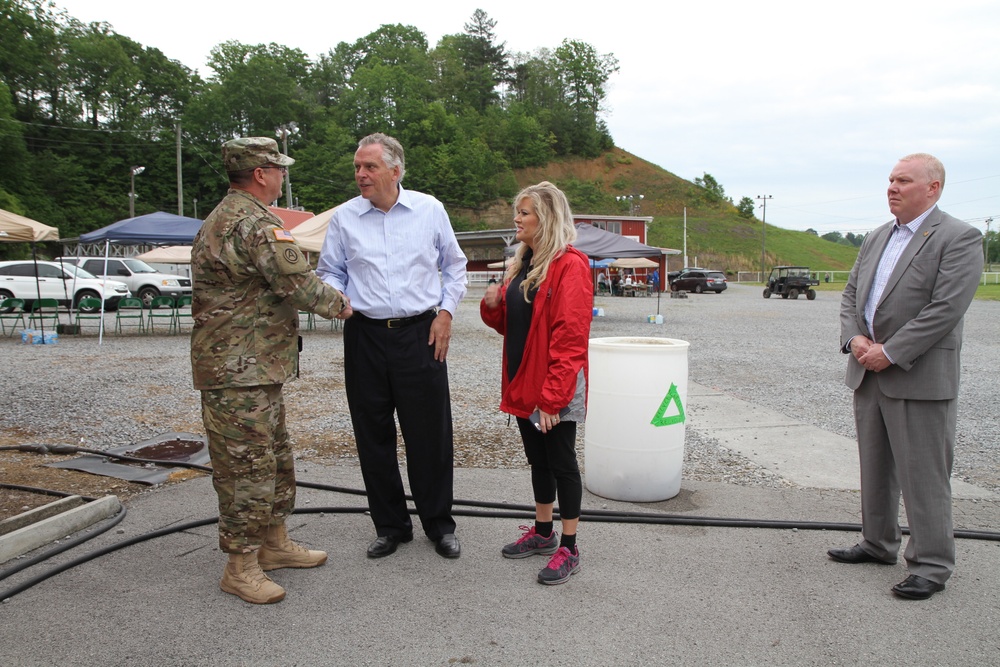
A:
(915, 587)
(385, 545)
(856, 554)
(448, 546)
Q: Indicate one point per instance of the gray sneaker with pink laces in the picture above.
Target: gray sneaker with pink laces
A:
(531, 543)
(561, 567)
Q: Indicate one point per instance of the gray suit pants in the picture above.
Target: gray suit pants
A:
(907, 446)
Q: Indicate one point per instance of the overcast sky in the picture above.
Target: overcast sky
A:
(810, 103)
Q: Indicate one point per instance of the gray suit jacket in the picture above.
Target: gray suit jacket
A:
(919, 317)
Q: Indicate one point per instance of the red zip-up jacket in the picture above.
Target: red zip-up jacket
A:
(555, 352)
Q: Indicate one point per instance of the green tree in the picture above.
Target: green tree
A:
(388, 81)
(833, 237)
(31, 58)
(486, 61)
(323, 173)
(101, 70)
(746, 208)
(255, 89)
(384, 98)
(584, 74)
(991, 247)
(712, 189)
(523, 139)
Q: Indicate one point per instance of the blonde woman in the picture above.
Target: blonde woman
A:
(543, 310)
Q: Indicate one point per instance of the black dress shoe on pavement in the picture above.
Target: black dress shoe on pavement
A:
(448, 546)
(856, 554)
(385, 545)
(915, 587)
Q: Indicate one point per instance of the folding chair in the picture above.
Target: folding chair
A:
(44, 310)
(130, 309)
(162, 308)
(11, 310)
(183, 302)
(89, 309)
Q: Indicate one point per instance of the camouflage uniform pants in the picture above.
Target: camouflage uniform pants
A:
(253, 467)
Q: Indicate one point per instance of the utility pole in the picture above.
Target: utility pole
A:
(763, 234)
(685, 237)
(180, 172)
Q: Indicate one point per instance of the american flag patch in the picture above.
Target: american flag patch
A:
(283, 235)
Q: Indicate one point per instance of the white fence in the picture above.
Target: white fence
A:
(989, 278)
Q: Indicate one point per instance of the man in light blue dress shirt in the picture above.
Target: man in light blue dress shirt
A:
(393, 253)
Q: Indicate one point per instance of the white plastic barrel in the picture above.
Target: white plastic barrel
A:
(636, 414)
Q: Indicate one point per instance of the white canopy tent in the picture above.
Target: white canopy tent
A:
(169, 254)
(635, 263)
(15, 228)
(311, 233)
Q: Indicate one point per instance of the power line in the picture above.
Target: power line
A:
(71, 128)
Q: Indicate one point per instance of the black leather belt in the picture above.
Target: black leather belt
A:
(394, 322)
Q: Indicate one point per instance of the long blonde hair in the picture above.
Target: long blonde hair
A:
(555, 232)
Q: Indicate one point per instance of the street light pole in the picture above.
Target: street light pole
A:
(763, 234)
(282, 132)
(131, 193)
(633, 202)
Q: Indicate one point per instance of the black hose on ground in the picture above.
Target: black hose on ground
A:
(47, 492)
(498, 510)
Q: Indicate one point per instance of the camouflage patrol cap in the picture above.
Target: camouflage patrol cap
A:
(250, 152)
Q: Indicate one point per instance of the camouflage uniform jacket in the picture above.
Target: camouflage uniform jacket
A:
(250, 281)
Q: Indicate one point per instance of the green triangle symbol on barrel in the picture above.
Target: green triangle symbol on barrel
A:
(661, 418)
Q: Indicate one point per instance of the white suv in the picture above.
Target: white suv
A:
(66, 283)
(143, 280)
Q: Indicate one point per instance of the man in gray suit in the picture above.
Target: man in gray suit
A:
(901, 322)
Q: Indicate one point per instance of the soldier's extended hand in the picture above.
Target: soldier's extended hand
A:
(347, 311)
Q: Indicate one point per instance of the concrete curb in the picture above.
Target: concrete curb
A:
(42, 526)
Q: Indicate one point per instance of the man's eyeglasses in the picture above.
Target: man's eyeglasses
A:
(283, 170)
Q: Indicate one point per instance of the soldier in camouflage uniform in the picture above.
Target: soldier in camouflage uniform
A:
(250, 281)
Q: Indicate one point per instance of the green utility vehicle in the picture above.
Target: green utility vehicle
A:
(789, 282)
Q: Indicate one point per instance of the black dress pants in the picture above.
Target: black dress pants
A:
(389, 371)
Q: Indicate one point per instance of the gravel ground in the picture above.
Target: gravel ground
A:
(777, 353)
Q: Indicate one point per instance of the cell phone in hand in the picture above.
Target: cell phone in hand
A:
(536, 418)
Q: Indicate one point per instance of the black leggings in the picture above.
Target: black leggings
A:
(554, 468)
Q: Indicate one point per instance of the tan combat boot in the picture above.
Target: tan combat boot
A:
(244, 578)
(279, 551)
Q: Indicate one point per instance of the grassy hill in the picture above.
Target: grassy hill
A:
(717, 237)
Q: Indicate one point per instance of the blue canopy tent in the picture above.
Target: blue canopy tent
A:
(158, 228)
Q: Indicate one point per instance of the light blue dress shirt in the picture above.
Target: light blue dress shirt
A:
(396, 264)
(899, 238)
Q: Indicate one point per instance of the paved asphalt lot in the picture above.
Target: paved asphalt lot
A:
(648, 594)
